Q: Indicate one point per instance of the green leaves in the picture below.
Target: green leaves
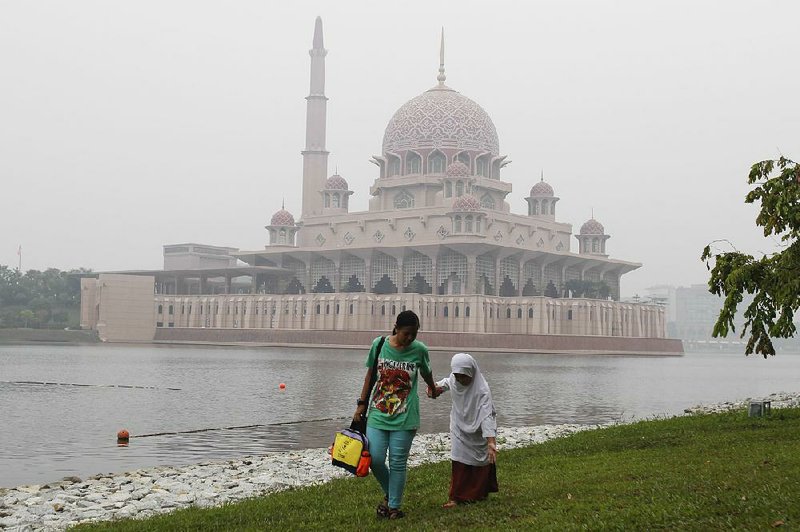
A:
(773, 280)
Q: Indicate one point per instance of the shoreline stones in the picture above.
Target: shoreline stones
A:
(150, 491)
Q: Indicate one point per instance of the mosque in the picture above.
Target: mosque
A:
(439, 237)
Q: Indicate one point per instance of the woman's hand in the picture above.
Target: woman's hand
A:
(360, 409)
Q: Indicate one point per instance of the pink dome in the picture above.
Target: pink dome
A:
(336, 182)
(542, 189)
(457, 169)
(592, 227)
(282, 218)
(466, 203)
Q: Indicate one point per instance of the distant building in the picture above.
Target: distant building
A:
(438, 237)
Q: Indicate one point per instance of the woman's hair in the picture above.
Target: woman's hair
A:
(405, 319)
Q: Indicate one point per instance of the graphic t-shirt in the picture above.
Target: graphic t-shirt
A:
(394, 403)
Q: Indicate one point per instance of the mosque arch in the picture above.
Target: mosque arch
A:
(463, 157)
(393, 166)
(448, 189)
(482, 165)
(436, 162)
(487, 201)
(459, 188)
(413, 163)
(335, 200)
(403, 200)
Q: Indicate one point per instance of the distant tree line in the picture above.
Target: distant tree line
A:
(40, 299)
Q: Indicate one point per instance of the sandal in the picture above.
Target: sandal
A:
(396, 513)
(449, 504)
(383, 508)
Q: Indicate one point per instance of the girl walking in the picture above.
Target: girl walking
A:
(473, 429)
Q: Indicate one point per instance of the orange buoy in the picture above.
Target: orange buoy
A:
(123, 436)
(282, 386)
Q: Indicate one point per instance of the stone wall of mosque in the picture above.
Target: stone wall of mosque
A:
(446, 313)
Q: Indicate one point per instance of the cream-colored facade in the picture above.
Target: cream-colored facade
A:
(439, 237)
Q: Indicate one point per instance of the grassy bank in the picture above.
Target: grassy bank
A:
(705, 472)
(42, 336)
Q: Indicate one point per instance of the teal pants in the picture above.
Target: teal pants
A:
(392, 478)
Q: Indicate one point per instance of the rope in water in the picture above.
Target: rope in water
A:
(128, 386)
(239, 427)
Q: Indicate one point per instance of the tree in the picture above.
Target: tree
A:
(773, 279)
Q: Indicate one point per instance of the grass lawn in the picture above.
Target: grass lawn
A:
(709, 472)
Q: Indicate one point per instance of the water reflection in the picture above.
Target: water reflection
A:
(53, 431)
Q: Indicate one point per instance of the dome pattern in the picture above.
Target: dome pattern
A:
(282, 218)
(593, 227)
(457, 169)
(466, 203)
(441, 118)
(542, 189)
(336, 182)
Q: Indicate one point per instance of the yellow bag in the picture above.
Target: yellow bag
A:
(350, 451)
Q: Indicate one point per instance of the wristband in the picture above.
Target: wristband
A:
(360, 402)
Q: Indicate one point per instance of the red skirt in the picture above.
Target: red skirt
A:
(472, 483)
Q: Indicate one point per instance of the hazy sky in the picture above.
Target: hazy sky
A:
(128, 125)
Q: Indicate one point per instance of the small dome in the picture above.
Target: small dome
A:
(283, 218)
(466, 203)
(336, 182)
(457, 169)
(592, 227)
(542, 189)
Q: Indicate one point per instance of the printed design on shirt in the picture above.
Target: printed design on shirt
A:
(394, 385)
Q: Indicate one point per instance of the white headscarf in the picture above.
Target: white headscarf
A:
(472, 404)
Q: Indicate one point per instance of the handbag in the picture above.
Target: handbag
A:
(350, 449)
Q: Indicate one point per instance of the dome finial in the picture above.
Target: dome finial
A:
(441, 77)
(542, 179)
(283, 203)
(592, 213)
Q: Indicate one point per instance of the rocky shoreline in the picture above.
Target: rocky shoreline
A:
(150, 491)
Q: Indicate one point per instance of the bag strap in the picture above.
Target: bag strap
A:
(374, 375)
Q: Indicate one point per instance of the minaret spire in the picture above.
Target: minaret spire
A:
(315, 156)
(441, 77)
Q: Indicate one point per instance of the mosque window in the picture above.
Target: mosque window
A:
(436, 163)
(444, 311)
(468, 224)
(456, 311)
(413, 163)
(335, 200)
(394, 166)
(351, 308)
(553, 208)
(487, 201)
(519, 313)
(403, 200)
(595, 247)
(282, 236)
(477, 225)
(457, 224)
(466, 311)
(160, 309)
(569, 314)
(171, 310)
(463, 157)
(459, 188)
(482, 166)
(535, 207)
(327, 200)
(530, 312)
(508, 313)
(448, 189)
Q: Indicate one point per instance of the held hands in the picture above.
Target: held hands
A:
(434, 392)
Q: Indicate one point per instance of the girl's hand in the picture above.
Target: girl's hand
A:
(492, 453)
(359, 412)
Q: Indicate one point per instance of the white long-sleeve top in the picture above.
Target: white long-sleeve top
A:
(469, 447)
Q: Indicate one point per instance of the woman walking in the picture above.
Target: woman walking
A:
(392, 407)
(473, 429)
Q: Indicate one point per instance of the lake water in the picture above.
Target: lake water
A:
(48, 431)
